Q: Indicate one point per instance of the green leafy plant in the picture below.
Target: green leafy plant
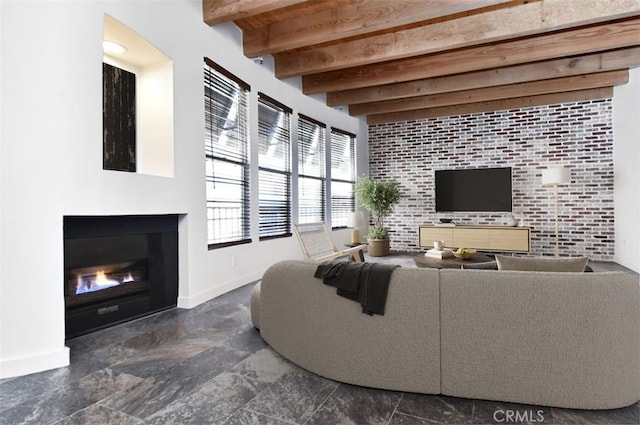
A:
(378, 233)
(379, 197)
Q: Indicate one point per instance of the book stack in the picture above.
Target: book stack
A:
(439, 254)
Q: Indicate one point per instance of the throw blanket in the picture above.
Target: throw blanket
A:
(366, 283)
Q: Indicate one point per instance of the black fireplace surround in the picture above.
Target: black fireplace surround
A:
(118, 268)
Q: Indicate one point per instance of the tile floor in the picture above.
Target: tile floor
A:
(208, 365)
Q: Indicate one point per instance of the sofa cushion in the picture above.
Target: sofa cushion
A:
(574, 264)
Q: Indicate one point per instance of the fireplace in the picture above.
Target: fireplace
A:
(117, 268)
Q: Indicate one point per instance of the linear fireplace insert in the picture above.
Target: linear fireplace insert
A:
(117, 268)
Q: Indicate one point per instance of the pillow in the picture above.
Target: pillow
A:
(489, 265)
(574, 264)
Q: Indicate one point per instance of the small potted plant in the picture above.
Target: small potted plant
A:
(379, 197)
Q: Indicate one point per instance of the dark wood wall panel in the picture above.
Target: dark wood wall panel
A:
(119, 119)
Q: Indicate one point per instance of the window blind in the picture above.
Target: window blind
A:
(226, 110)
(343, 168)
(274, 163)
(311, 170)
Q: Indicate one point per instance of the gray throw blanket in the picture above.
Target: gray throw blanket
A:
(366, 283)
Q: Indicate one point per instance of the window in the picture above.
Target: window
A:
(274, 163)
(311, 170)
(227, 166)
(343, 166)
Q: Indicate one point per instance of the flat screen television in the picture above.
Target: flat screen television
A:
(477, 189)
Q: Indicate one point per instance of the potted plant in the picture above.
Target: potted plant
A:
(379, 197)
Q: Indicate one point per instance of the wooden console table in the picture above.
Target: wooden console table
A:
(485, 238)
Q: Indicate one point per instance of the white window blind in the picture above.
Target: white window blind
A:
(343, 168)
(311, 170)
(226, 155)
(274, 163)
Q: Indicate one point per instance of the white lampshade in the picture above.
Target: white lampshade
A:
(556, 175)
(355, 219)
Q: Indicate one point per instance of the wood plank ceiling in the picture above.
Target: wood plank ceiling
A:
(394, 60)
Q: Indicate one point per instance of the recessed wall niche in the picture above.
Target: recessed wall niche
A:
(147, 136)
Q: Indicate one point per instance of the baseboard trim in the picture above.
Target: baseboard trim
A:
(26, 365)
(197, 299)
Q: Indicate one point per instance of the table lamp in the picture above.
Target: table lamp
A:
(356, 221)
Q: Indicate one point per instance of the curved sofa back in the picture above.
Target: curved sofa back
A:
(308, 323)
(552, 339)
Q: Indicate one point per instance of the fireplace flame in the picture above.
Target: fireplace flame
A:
(94, 283)
(101, 279)
(104, 276)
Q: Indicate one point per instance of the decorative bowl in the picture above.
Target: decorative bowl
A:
(464, 255)
(446, 220)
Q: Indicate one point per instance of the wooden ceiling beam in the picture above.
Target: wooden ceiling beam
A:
(217, 11)
(506, 23)
(352, 19)
(608, 36)
(286, 14)
(534, 88)
(586, 64)
(494, 105)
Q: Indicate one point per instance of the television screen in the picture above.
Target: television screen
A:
(479, 189)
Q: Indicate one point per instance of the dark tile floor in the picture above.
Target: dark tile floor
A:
(208, 365)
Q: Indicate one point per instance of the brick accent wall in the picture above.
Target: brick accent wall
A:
(577, 135)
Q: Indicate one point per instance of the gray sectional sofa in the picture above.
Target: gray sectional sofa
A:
(545, 338)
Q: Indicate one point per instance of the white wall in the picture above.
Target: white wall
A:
(155, 120)
(2, 294)
(626, 153)
(51, 157)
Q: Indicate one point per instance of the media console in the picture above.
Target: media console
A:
(485, 238)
